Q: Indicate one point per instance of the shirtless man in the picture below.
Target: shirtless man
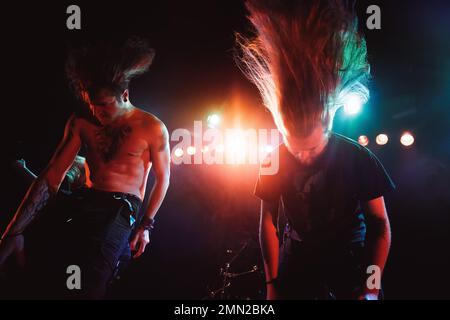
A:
(122, 144)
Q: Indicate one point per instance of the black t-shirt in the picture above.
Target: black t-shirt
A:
(322, 202)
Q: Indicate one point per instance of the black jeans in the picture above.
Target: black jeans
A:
(324, 271)
(94, 236)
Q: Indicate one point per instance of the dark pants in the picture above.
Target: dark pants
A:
(323, 271)
(92, 232)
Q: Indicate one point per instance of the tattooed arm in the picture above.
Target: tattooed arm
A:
(45, 186)
(160, 157)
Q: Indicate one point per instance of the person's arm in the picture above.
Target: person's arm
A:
(378, 239)
(160, 157)
(45, 186)
(269, 243)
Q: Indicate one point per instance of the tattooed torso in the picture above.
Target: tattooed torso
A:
(110, 139)
(118, 156)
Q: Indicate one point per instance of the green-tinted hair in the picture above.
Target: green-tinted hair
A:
(306, 57)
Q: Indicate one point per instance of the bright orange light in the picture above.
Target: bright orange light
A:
(268, 149)
(236, 147)
(179, 152)
(220, 148)
(382, 139)
(407, 139)
(363, 140)
(205, 149)
(191, 150)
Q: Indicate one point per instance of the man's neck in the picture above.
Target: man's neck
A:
(126, 113)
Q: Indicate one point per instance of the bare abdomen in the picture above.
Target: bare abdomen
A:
(127, 177)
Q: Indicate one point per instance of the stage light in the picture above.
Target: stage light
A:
(220, 148)
(191, 150)
(382, 139)
(213, 120)
(179, 152)
(353, 104)
(236, 147)
(407, 139)
(268, 149)
(205, 149)
(363, 140)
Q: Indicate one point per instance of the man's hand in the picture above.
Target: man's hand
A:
(11, 245)
(140, 240)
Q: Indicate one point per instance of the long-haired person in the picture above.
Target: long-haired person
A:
(122, 144)
(306, 59)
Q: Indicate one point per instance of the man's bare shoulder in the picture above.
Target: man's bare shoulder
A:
(152, 123)
(84, 124)
(78, 121)
(155, 128)
(73, 123)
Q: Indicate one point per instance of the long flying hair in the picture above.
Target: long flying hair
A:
(305, 58)
(108, 66)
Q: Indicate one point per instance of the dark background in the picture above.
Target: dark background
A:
(210, 209)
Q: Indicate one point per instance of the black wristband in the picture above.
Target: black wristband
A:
(147, 224)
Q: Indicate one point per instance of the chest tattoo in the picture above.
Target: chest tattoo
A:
(110, 139)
